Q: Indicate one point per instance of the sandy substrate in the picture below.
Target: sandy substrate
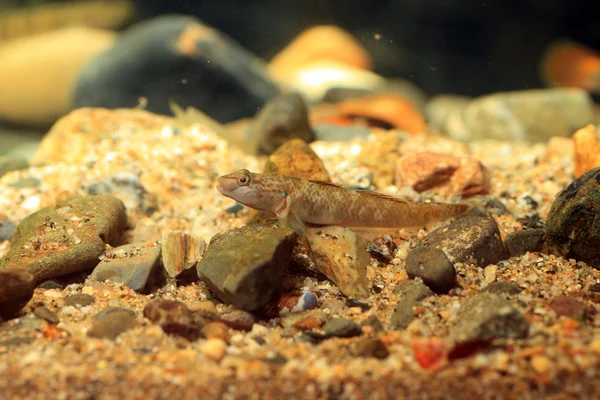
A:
(559, 359)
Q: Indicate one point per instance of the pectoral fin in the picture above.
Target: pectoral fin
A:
(294, 222)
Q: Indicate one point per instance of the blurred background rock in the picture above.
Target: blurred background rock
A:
(461, 47)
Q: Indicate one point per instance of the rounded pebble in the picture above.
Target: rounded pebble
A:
(214, 349)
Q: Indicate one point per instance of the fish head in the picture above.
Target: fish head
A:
(248, 189)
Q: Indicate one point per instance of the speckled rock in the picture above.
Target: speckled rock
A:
(66, 238)
(282, 119)
(16, 289)
(569, 307)
(431, 265)
(130, 264)
(342, 327)
(368, 347)
(572, 228)
(520, 242)
(382, 248)
(487, 316)
(470, 239)
(339, 253)
(411, 294)
(502, 287)
(109, 325)
(181, 59)
(245, 266)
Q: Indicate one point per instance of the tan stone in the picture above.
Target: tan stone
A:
(323, 42)
(587, 149)
(38, 73)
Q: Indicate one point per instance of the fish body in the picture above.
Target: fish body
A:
(298, 202)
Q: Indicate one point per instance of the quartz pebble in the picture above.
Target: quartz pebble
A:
(214, 348)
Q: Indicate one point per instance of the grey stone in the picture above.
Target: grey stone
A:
(154, 57)
(12, 163)
(573, 226)
(487, 316)
(80, 299)
(246, 266)
(335, 133)
(283, 118)
(431, 265)
(470, 240)
(66, 238)
(411, 295)
(532, 115)
(44, 313)
(7, 229)
(130, 264)
(16, 289)
(109, 325)
(520, 242)
(342, 327)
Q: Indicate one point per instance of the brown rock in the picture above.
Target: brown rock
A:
(176, 318)
(569, 307)
(449, 175)
(296, 158)
(63, 53)
(587, 149)
(324, 42)
(308, 322)
(389, 109)
(216, 330)
(16, 289)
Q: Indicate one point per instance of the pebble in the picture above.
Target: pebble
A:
(130, 264)
(204, 69)
(367, 347)
(175, 318)
(411, 295)
(7, 229)
(383, 248)
(246, 266)
(16, 289)
(79, 299)
(215, 330)
(342, 327)
(520, 242)
(66, 238)
(487, 316)
(214, 348)
(449, 175)
(470, 239)
(567, 306)
(181, 251)
(570, 227)
(237, 319)
(339, 253)
(432, 265)
(50, 285)
(307, 301)
(527, 115)
(109, 325)
(541, 364)
(282, 119)
(44, 313)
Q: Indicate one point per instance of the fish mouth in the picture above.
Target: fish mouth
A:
(220, 188)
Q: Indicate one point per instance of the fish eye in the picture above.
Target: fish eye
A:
(243, 180)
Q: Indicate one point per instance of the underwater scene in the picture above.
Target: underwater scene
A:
(316, 199)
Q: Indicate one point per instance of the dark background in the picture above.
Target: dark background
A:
(444, 46)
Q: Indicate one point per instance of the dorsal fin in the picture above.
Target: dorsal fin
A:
(325, 183)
